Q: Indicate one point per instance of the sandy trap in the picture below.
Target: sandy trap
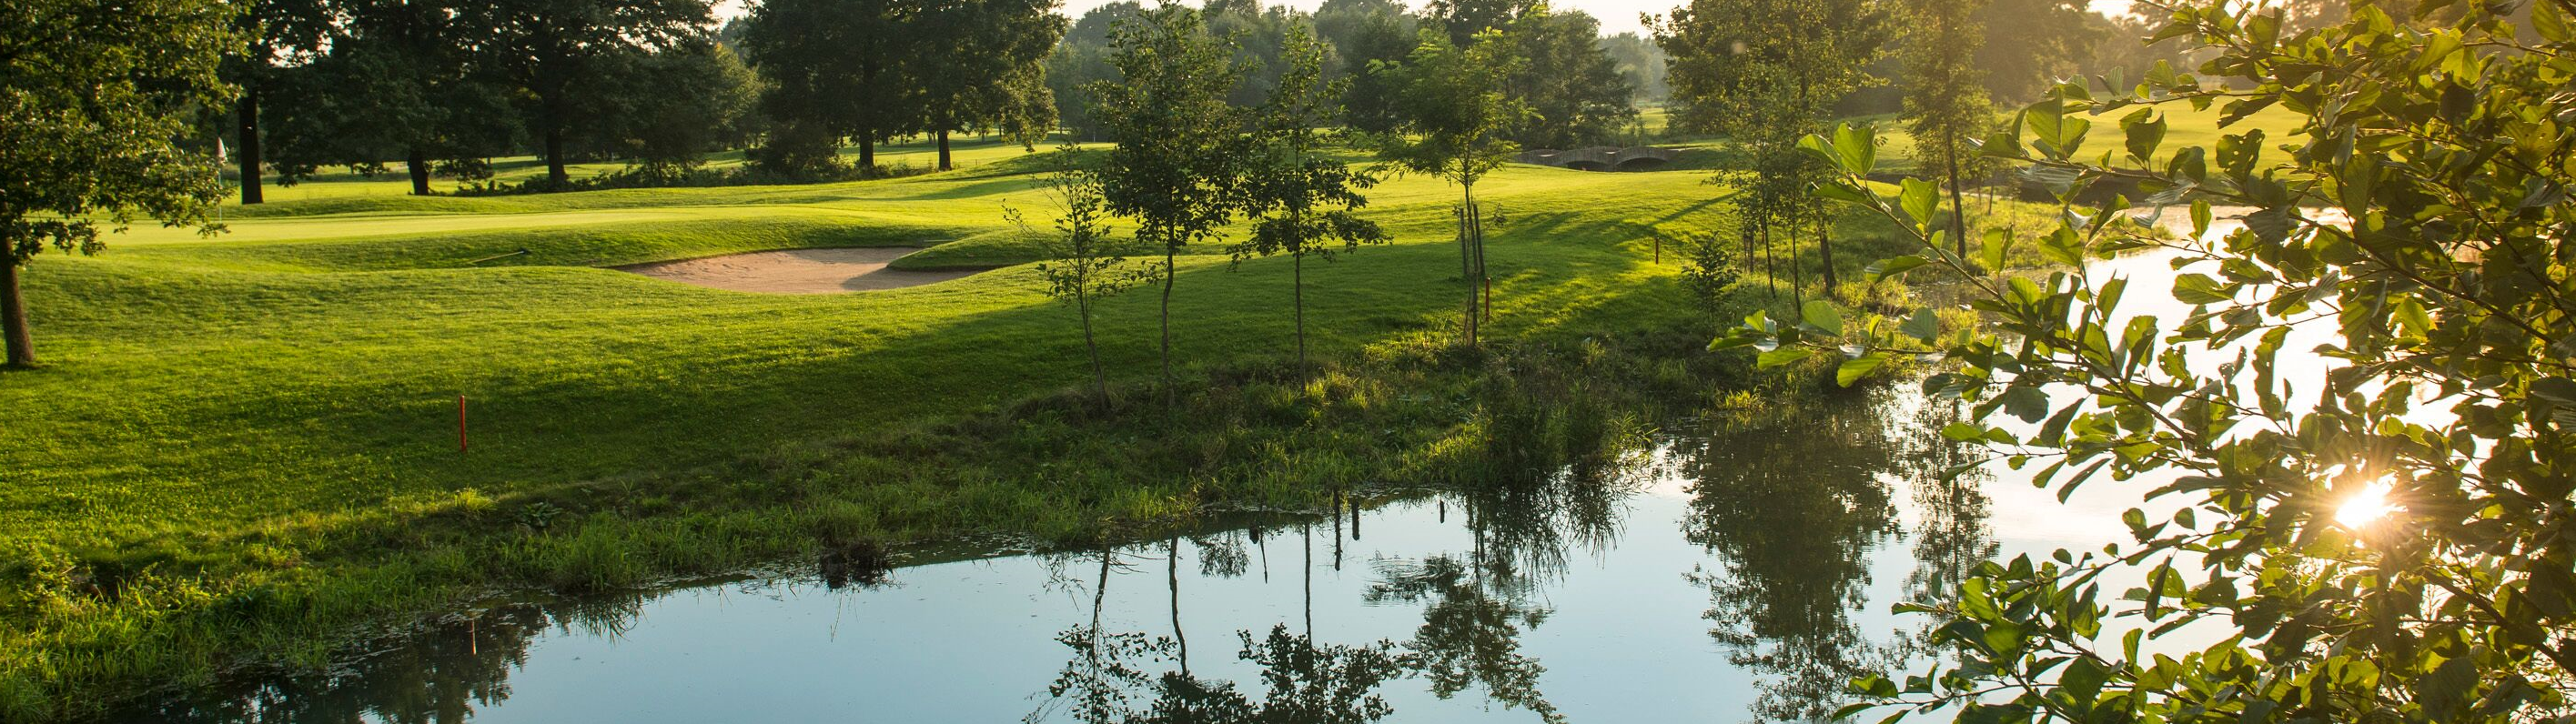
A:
(797, 271)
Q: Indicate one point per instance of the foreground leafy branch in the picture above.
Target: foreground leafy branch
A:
(2334, 552)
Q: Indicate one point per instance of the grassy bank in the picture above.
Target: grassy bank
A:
(244, 448)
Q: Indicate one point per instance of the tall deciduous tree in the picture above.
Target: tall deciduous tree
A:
(1572, 87)
(554, 48)
(1301, 198)
(279, 34)
(96, 95)
(982, 63)
(836, 68)
(1081, 60)
(1642, 63)
(1767, 73)
(396, 83)
(1945, 98)
(1463, 20)
(662, 111)
(1457, 121)
(1168, 114)
(1367, 34)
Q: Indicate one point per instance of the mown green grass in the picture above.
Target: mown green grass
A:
(243, 445)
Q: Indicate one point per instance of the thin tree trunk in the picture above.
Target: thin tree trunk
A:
(1099, 373)
(1468, 252)
(943, 150)
(1308, 530)
(1171, 395)
(1770, 263)
(1958, 202)
(1825, 247)
(418, 164)
(1797, 274)
(13, 313)
(1297, 265)
(246, 113)
(1172, 570)
(1484, 279)
(867, 151)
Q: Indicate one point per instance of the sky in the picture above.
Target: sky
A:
(1616, 16)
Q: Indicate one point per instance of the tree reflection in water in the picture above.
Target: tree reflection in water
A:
(1119, 677)
(1791, 503)
(439, 675)
(1789, 506)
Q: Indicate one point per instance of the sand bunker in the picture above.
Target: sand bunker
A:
(797, 271)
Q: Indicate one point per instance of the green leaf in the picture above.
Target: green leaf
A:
(2145, 133)
(1783, 356)
(2555, 389)
(1923, 326)
(1998, 243)
(1816, 145)
(1921, 200)
(2025, 402)
(1858, 146)
(1885, 268)
(2057, 134)
(1843, 191)
(1859, 367)
(1823, 316)
(2198, 289)
(2551, 23)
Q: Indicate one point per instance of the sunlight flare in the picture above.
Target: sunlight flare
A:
(2366, 507)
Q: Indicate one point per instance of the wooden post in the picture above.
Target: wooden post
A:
(1659, 250)
(460, 424)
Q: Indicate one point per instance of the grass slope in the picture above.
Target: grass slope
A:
(268, 415)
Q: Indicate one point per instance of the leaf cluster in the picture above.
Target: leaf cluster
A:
(2396, 318)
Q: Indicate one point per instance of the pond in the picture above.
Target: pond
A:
(1740, 568)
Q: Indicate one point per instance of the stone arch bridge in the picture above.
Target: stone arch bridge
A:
(1602, 158)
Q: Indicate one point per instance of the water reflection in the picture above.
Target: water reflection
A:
(1549, 595)
(439, 675)
(1790, 504)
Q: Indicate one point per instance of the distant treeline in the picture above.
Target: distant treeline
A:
(440, 86)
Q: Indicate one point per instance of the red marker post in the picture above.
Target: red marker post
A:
(460, 424)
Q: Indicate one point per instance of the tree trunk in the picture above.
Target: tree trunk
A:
(943, 150)
(1825, 247)
(1297, 282)
(1467, 255)
(1099, 373)
(13, 313)
(1172, 571)
(1958, 203)
(418, 163)
(1171, 395)
(1770, 263)
(1484, 279)
(867, 151)
(246, 113)
(554, 150)
(1797, 273)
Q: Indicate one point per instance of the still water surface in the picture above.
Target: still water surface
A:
(1739, 569)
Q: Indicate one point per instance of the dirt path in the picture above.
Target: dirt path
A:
(797, 271)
